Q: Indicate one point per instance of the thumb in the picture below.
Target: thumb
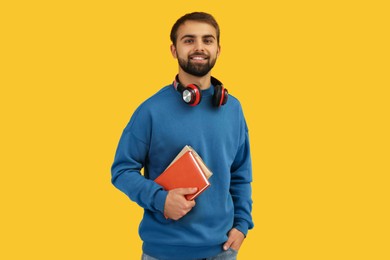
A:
(185, 191)
(227, 244)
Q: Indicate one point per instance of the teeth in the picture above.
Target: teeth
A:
(198, 58)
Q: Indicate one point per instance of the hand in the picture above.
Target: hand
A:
(176, 204)
(235, 239)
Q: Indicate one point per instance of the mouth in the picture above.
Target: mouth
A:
(198, 58)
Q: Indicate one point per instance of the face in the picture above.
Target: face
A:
(196, 48)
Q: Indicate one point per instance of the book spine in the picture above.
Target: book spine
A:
(193, 196)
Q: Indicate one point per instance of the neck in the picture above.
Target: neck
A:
(202, 82)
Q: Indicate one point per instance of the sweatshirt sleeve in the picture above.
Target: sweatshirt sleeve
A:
(130, 158)
(240, 188)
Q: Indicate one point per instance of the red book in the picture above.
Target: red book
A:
(186, 171)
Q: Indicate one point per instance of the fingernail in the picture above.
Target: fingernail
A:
(225, 248)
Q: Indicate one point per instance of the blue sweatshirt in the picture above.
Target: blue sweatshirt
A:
(156, 133)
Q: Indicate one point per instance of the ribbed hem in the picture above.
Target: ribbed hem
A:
(242, 226)
(159, 202)
(167, 252)
(208, 91)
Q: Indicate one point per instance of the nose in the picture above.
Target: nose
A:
(199, 46)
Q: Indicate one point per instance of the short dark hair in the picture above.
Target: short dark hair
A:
(195, 16)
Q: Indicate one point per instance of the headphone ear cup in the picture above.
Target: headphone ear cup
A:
(220, 96)
(192, 95)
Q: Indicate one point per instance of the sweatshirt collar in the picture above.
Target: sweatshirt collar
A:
(205, 92)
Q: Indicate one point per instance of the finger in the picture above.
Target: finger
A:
(227, 244)
(188, 204)
(235, 245)
(192, 203)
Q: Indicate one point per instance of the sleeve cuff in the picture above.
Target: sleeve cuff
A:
(242, 226)
(159, 202)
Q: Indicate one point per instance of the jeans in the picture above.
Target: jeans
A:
(229, 254)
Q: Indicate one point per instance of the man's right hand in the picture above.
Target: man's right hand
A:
(176, 204)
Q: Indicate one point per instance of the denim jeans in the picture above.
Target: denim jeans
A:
(229, 254)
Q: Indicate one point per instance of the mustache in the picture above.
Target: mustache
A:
(201, 54)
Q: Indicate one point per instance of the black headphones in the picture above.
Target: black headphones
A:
(192, 95)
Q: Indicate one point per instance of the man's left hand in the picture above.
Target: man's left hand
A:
(235, 239)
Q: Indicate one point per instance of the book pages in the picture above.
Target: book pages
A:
(202, 165)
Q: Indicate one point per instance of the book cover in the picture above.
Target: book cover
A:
(184, 172)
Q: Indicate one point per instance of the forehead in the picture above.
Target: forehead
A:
(195, 28)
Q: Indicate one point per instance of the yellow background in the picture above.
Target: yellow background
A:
(313, 78)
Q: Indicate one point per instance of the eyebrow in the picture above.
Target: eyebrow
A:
(193, 36)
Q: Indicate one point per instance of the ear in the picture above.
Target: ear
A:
(218, 50)
(173, 51)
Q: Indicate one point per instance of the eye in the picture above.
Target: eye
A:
(188, 41)
(208, 41)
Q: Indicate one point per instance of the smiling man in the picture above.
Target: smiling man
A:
(194, 110)
(196, 47)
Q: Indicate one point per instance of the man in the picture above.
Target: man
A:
(214, 225)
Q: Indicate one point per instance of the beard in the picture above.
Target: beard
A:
(198, 70)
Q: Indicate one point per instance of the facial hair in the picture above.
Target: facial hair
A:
(198, 70)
